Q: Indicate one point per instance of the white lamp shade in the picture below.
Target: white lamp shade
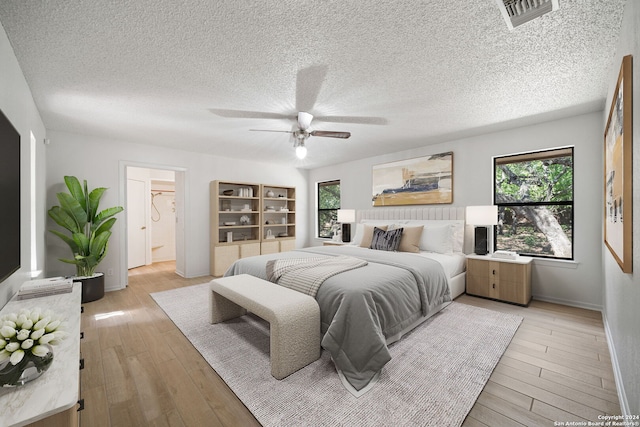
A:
(346, 215)
(482, 215)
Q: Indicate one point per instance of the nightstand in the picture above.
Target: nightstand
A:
(506, 280)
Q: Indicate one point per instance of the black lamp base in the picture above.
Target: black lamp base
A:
(481, 245)
(346, 233)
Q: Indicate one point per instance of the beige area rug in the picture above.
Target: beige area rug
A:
(434, 378)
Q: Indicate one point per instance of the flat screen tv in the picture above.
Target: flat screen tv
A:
(10, 198)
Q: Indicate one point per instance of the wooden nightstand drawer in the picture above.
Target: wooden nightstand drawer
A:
(500, 279)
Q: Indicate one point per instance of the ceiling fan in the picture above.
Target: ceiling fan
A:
(308, 83)
(304, 131)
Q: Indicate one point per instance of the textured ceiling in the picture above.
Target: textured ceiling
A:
(396, 74)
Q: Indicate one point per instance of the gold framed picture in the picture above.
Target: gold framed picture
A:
(618, 177)
(418, 181)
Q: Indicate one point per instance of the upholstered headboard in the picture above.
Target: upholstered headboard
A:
(412, 213)
(431, 213)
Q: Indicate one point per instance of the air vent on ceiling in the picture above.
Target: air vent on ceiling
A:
(517, 12)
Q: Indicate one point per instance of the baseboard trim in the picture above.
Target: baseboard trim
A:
(617, 375)
(569, 303)
(113, 288)
(194, 275)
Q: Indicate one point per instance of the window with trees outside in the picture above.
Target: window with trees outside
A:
(534, 195)
(328, 205)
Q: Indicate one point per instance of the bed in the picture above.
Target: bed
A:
(366, 308)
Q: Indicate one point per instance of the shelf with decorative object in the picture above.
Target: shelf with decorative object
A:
(249, 219)
(279, 216)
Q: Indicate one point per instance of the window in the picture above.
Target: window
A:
(328, 205)
(534, 195)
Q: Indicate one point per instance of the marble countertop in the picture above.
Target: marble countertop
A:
(57, 389)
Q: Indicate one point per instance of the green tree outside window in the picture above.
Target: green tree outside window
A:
(534, 195)
(328, 205)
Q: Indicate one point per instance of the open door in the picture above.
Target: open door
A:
(136, 220)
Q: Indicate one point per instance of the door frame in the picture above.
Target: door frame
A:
(182, 211)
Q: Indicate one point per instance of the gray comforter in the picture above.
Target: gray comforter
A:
(360, 308)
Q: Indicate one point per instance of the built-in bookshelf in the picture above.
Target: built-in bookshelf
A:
(249, 219)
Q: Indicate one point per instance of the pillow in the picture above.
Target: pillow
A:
(437, 239)
(386, 240)
(367, 234)
(358, 236)
(458, 236)
(457, 230)
(410, 241)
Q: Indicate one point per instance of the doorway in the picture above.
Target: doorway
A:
(151, 216)
(154, 200)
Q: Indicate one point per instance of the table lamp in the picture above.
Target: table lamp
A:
(481, 217)
(346, 217)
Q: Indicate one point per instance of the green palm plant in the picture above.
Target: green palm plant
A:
(90, 230)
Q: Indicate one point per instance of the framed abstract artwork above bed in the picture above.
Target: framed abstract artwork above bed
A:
(419, 181)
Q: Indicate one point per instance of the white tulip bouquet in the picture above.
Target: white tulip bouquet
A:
(26, 337)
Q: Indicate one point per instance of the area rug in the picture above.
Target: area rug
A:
(433, 379)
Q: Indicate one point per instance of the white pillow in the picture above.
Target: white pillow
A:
(437, 239)
(457, 230)
(458, 236)
(357, 238)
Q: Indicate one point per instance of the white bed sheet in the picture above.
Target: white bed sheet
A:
(453, 264)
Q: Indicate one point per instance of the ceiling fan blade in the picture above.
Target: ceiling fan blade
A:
(363, 120)
(243, 114)
(308, 84)
(270, 130)
(330, 134)
(304, 120)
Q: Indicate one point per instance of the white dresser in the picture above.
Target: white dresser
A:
(51, 399)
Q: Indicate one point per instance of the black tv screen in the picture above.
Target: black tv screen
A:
(10, 196)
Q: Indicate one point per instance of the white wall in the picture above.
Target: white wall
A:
(17, 104)
(163, 220)
(575, 283)
(99, 162)
(622, 291)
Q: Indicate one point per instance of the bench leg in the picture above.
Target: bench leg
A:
(295, 343)
(221, 309)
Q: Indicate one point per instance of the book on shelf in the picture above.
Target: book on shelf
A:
(45, 287)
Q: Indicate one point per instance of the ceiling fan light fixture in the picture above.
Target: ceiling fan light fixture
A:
(301, 150)
(304, 120)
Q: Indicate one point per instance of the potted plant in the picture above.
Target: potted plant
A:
(89, 230)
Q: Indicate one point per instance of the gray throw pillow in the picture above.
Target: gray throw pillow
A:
(386, 240)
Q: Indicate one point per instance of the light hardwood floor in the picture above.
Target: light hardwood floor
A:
(140, 370)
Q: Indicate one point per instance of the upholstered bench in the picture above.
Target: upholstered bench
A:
(294, 318)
